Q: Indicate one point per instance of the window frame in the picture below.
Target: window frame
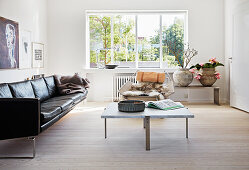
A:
(136, 13)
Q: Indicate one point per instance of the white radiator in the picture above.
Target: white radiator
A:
(118, 82)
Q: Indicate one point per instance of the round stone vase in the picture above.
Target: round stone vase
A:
(182, 77)
(208, 77)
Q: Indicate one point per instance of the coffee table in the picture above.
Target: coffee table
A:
(112, 111)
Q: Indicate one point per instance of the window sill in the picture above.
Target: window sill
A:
(127, 70)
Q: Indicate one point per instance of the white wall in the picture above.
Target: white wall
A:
(66, 34)
(31, 15)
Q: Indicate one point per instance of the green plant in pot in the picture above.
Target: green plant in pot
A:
(182, 76)
(206, 73)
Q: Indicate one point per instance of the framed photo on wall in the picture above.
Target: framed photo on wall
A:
(38, 55)
(25, 58)
(9, 44)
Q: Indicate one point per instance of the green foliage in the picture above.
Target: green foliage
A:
(156, 38)
(124, 39)
(148, 55)
(207, 65)
(147, 50)
(100, 29)
(174, 40)
(171, 61)
(93, 58)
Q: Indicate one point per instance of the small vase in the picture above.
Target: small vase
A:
(182, 77)
(208, 77)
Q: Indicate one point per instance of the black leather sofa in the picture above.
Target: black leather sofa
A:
(28, 108)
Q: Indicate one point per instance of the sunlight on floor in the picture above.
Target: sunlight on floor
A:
(87, 109)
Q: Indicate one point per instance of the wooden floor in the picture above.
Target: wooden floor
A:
(218, 139)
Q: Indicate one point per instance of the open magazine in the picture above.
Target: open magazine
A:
(164, 105)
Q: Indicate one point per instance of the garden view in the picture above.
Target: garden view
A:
(113, 39)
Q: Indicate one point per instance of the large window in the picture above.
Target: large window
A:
(141, 39)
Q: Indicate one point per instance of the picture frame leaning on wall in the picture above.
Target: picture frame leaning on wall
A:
(25, 58)
(37, 55)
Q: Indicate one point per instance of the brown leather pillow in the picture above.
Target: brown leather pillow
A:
(150, 77)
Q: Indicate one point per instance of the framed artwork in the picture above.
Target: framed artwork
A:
(37, 76)
(25, 58)
(38, 55)
(9, 44)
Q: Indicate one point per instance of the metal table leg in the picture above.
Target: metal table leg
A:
(186, 127)
(147, 127)
(105, 129)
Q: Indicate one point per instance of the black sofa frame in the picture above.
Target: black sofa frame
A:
(21, 118)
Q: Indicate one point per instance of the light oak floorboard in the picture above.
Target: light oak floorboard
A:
(218, 139)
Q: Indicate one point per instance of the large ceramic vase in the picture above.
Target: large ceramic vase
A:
(208, 77)
(183, 77)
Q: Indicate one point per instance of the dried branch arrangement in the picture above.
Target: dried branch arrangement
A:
(188, 55)
(179, 54)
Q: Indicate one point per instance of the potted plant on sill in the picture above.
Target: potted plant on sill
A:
(182, 76)
(206, 73)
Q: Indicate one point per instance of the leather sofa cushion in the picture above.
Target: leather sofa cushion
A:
(50, 82)
(22, 89)
(40, 89)
(75, 97)
(63, 103)
(48, 112)
(5, 91)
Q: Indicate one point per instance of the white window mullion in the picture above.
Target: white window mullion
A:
(136, 42)
(161, 47)
(186, 27)
(87, 43)
(112, 48)
(126, 43)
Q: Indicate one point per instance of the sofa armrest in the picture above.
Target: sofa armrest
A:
(20, 117)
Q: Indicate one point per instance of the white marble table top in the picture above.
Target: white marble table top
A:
(112, 111)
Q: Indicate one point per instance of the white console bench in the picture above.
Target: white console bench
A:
(216, 91)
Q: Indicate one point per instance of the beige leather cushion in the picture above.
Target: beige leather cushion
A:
(150, 77)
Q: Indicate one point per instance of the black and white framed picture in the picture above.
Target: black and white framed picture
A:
(38, 55)
(25, 58)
